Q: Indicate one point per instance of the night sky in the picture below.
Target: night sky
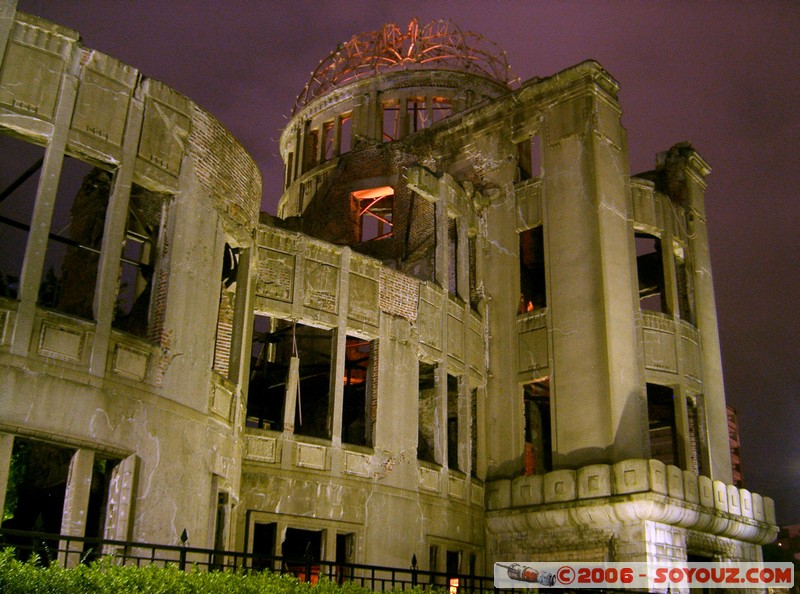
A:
(722, 75)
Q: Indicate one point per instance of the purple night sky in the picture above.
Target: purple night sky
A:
(723, 76)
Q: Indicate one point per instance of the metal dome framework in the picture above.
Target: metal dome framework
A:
(440, 43)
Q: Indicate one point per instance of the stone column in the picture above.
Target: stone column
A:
(596, 386)
(113, 239)
(76, 504)
(695, 169)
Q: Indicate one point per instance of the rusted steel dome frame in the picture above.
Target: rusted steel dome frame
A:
(439, 42)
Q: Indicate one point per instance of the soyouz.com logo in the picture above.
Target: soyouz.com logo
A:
(643, 576)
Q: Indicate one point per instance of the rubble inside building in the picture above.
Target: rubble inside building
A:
(469, 335)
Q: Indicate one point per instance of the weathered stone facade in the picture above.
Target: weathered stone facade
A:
(471, 336)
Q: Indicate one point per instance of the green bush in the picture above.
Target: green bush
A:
(106, 577)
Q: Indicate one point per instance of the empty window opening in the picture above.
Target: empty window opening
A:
(650, 271)
(453, 569)
(529, 159)
(96, 513)
(301, 547)
(433, 559)
(289, 174)
(37, 485)
(441, 109)
(538, 435)
(135, 286)
(473, 431)
(661, 424)
(311, 147)
(345, 554)
(328, 138)
(426, 438)
(391, 120)
(685, 287)
(452, 261)
(19, 180)
(268, 371)
(472, 253)
(264, 539)
(372, 211)
(76, 236)
(695, 436)
(533, 289)
(357, 409)
(314, 404)
(275, 344)
(345, 133)
(417, 112)
(227, 309)
(220, 529)
(453, 402)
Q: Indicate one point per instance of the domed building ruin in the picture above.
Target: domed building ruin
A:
(470, 334)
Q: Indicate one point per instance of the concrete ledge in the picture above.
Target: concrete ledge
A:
(594, 481)
(634, 490)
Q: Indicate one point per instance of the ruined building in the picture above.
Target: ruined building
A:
(469, 334)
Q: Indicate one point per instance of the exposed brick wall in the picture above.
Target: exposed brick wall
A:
(399, 294)
(222, 343)
(225, 169)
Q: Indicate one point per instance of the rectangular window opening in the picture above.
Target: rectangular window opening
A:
(275, 344)
(529, 159)
(264, 539)
(345, 133)
(538, 434)
(452, 261)
(345, 554)
(417, 112)
(328, 147)
(357, 410)
(532, 279)
(19, 181)
(391, 120)
(76, 236)
(453, 401)
(310, 149)
(269, 369)
(650, 271)
(373, 211)
(661, 424)
(442, 109)
(474, 298)
(135, 286)
(426, 437)
(289, 171)
(473, 431)
(685, 287)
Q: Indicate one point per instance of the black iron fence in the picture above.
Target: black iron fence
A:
(72, 550)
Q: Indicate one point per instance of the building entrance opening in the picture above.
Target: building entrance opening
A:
(264, 545)
(37, 485)
(301, 548)
(538, 444)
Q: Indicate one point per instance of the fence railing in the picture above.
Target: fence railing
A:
(72, 550)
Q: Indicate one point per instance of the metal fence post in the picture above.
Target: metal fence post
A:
(184, 540)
